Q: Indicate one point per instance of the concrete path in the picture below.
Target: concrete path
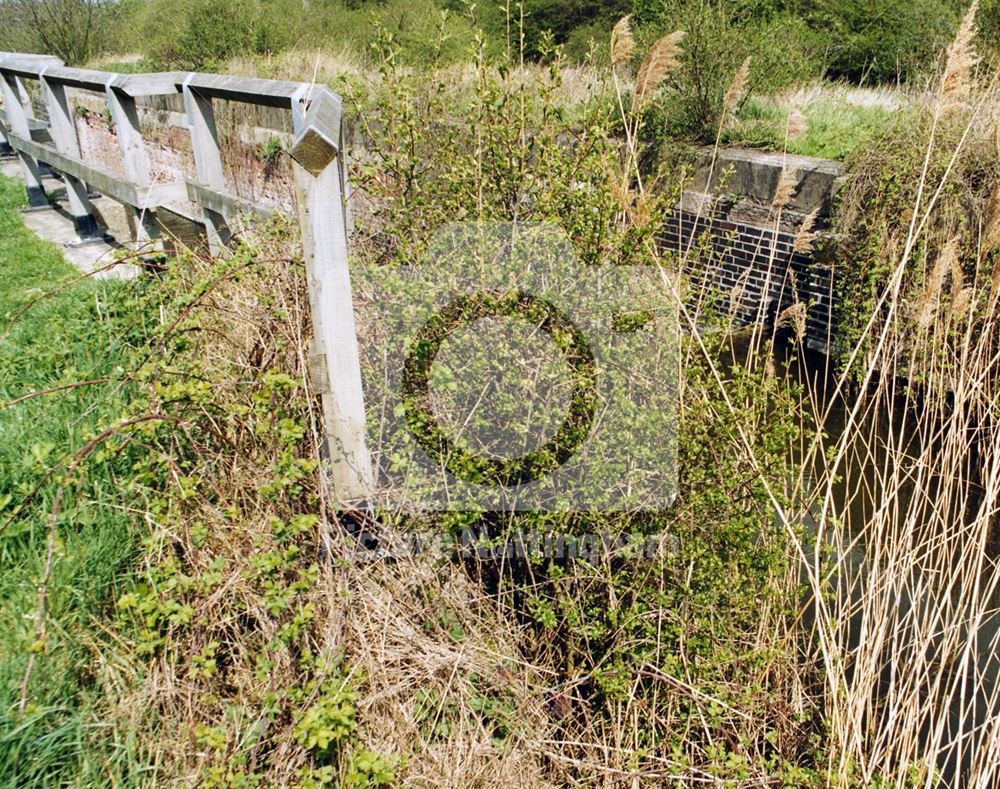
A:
(56, 225)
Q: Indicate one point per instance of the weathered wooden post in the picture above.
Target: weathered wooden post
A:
(17, 118)
(135, 160)
(207, 160)
(6, 152)
(6, 149)
(336, 367)
(62, 128)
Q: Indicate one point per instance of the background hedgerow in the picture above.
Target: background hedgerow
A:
(886, 41)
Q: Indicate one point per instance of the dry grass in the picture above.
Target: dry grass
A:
(660, 60)
(574, 85)
(419, 676)
(907, 496)
(902, 484)
(304, 65)
(887, 97)
(622, 42)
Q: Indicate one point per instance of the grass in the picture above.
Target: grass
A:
(67, 336)
(840, 119)
(835, 128)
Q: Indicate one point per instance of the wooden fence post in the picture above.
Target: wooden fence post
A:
(320, 178)
(135, 160)
(63, 130)
(6, 150)
(17, 118)
(207, 162)
(320, 197)
(29, 110)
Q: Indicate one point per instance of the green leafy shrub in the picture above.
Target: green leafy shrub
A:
(615, 628)
(885, 40)
(203, 34)
(569, 21)
(947, 252)
(74, 30)
(718, 39)
(421, 32)
(988, 20)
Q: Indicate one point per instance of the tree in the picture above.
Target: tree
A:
(73, 30)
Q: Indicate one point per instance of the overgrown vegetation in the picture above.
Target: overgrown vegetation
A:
(264, 645)
(918, 315)
(822, 609)
(827, 126)
(882, 41)
(923, 209)
(718, 40)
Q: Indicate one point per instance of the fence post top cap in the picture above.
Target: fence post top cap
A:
(317, 143)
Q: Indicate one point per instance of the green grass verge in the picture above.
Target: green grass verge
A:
(834, 130)
(74, 334)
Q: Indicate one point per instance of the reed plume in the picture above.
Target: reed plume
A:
(622, 42)
(659, 61)
(957, 273)
(961, 57)
(946, 261)
(805, 238)
(797, 123)
(787, 184)
(961, 303)
(794, 316)
(737, 88)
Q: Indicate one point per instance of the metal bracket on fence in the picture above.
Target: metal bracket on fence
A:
(297, 112)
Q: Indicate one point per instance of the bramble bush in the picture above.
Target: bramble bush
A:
(617, 630)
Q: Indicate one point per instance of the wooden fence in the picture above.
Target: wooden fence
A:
(320, 184)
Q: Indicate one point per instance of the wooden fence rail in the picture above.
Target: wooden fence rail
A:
(320, 184)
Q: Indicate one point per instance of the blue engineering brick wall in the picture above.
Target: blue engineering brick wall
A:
(752, 274)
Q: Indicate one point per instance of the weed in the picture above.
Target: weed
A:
(269, 152)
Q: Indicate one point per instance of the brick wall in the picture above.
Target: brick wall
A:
(738, 252)
(751, 274)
